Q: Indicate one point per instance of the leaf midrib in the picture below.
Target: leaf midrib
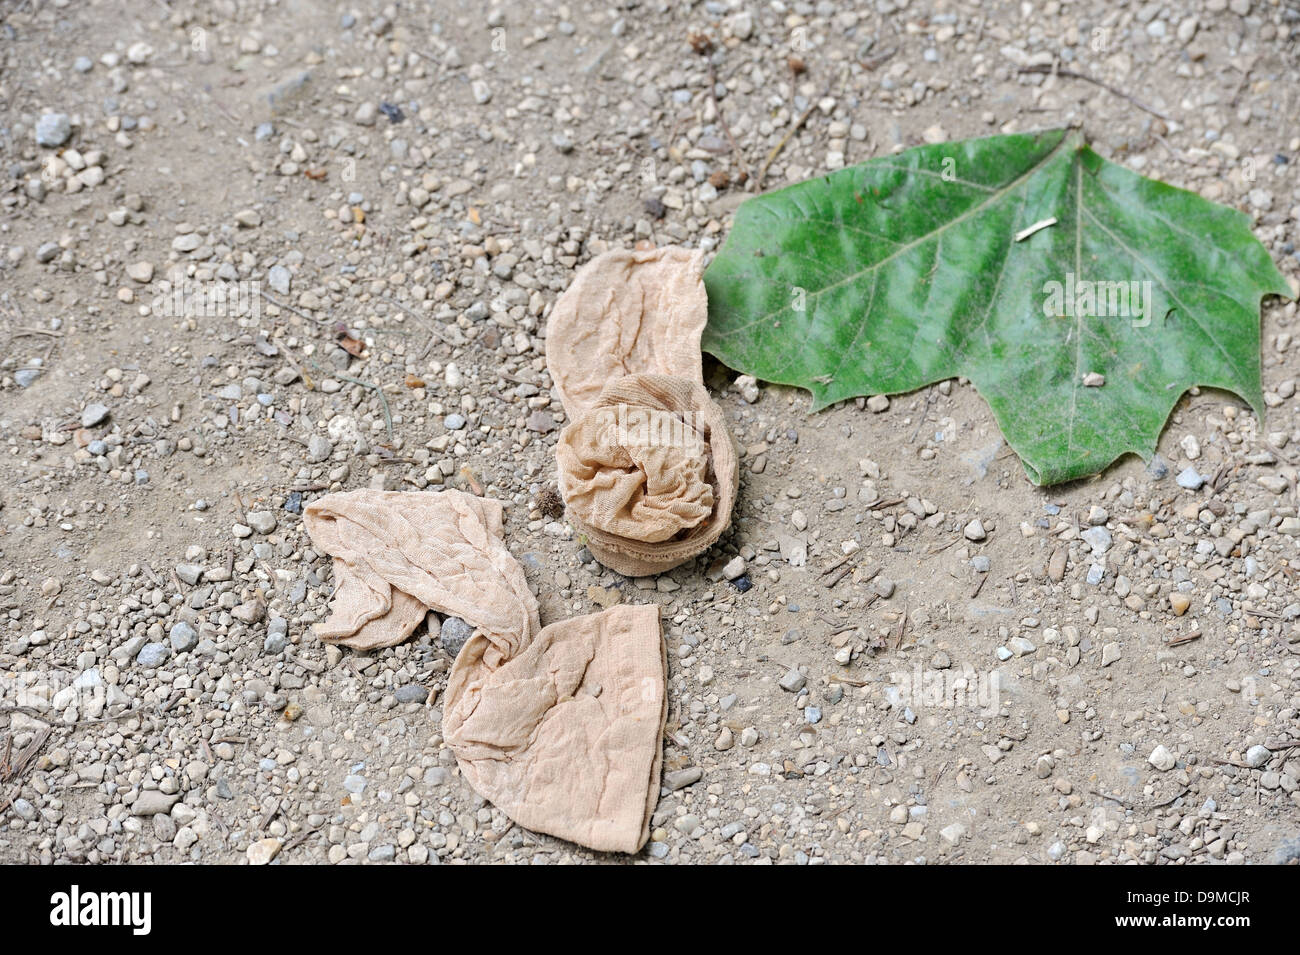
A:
(1070, 138)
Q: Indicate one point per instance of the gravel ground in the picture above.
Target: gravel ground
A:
(392, 197)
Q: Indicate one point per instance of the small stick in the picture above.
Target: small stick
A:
(833, 564)
(388, 417)
(942, 547)
(1055, 70)
(292, 308)
(847, 681)
(776, 150)
(722, 121)
(299, 839)
(838, 575)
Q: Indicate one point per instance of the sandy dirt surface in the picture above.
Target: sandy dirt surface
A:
(391, 198)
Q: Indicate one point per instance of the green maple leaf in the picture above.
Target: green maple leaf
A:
(913, 268)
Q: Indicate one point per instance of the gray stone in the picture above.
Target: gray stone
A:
(152, 655)
(53, 130)
(453, 634)
(261, 521)
(183, 637)
(681, 778)
(1257, 756)
(279, 279)
(1020, 646)
(150, 802)
(1099, 539)
(1190, 479)
(541, 422)
(1110, 653)
(319, 448)
(189, 573)
(793, 681)
(411, 693)
(94, 414)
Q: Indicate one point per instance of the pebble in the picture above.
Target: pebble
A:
(279, 278)
(681, 778)
(1189, 478)
(734, 568)
(263, 851)
(974, 531)
(189, 573)
(1162, 759)
(1257, 756)
(1020, 646)
(183, 637)
(411, 693)
(53, 130)
(319, 448)
(94, 414)
(152, 655)
(151, 802)
(261, 521)
(793, 681)
(1099, 539)
(454, 634)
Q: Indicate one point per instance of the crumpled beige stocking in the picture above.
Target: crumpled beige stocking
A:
(560, 727)
(647, 467)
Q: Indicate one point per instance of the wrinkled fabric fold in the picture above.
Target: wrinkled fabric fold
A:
(648, 473)
(647, 466)
(560, 727)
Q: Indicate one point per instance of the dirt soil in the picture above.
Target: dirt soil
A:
(391, 198)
